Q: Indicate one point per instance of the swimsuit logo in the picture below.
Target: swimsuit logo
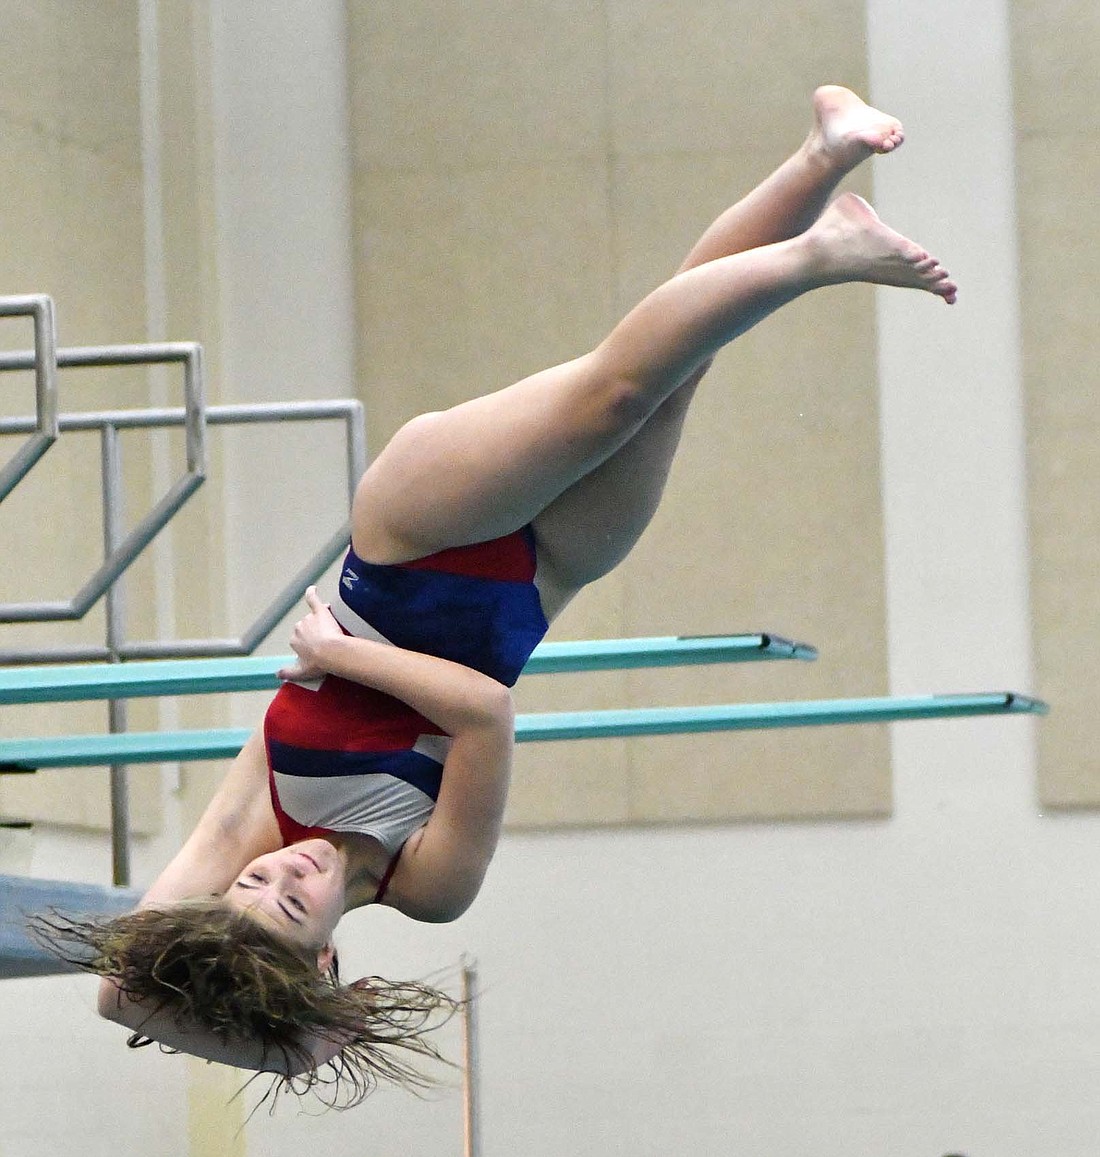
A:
(349, 578)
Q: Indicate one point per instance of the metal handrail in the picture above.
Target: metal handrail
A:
(121, 550)
(471, 1068)
(43, 429)
(349, 410)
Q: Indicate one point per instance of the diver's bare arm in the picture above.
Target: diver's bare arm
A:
(453, 697)
(142, 1017)
(237, 826)
(442, 865)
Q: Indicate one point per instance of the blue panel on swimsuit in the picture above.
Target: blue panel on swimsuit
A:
(409, 766)
(488, 624)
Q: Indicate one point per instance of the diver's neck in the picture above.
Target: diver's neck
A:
(364, 862)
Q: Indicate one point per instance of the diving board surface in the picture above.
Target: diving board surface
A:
(224, 743)
(69, 682)
(19, 955)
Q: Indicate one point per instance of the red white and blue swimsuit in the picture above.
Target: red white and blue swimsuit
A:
(344, 757)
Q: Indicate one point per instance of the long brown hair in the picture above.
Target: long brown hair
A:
(218, 970)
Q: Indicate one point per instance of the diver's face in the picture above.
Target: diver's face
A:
(297, 892)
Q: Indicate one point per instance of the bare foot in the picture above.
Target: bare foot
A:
(847, 131)
(851, 243)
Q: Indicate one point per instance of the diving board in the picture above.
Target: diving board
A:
(67, 682)
(19, 954)
(224, 743)
(760, 716)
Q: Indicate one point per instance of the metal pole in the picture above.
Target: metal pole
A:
(470, 1067)
(114, 606)
(356, 449)
(240, 414)
(43, 360)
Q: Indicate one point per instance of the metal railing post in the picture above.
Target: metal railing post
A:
(471, 1084)
(44, 363)
(115, 609)
(122, 547)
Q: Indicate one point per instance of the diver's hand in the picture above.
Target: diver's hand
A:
(311, 636)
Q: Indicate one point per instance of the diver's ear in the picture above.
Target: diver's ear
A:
(325, 956)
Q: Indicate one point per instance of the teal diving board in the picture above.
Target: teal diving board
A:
(20, 955)
(69, 682)
(760, 716)
(662, 651)
(224, 743)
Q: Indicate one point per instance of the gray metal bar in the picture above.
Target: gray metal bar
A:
(135, 542)
(191, 415)
(43, 360)
(228, 415)
(183, 649)
(356, 449)
(115, 610)
(120, 801)
(194, 405)
(84, 357)
(143, 354)
(121, 549)
(23, 305)
(74, 653)
(471, 1068)
(292, 592)
(268, 620)
(348, 410)
(117, 562)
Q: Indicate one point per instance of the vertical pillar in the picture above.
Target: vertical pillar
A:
(952, 427)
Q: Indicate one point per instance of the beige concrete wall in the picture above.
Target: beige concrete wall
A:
(509, 208)
(1058, 168)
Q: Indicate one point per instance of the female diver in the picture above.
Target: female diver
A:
(381, 772)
